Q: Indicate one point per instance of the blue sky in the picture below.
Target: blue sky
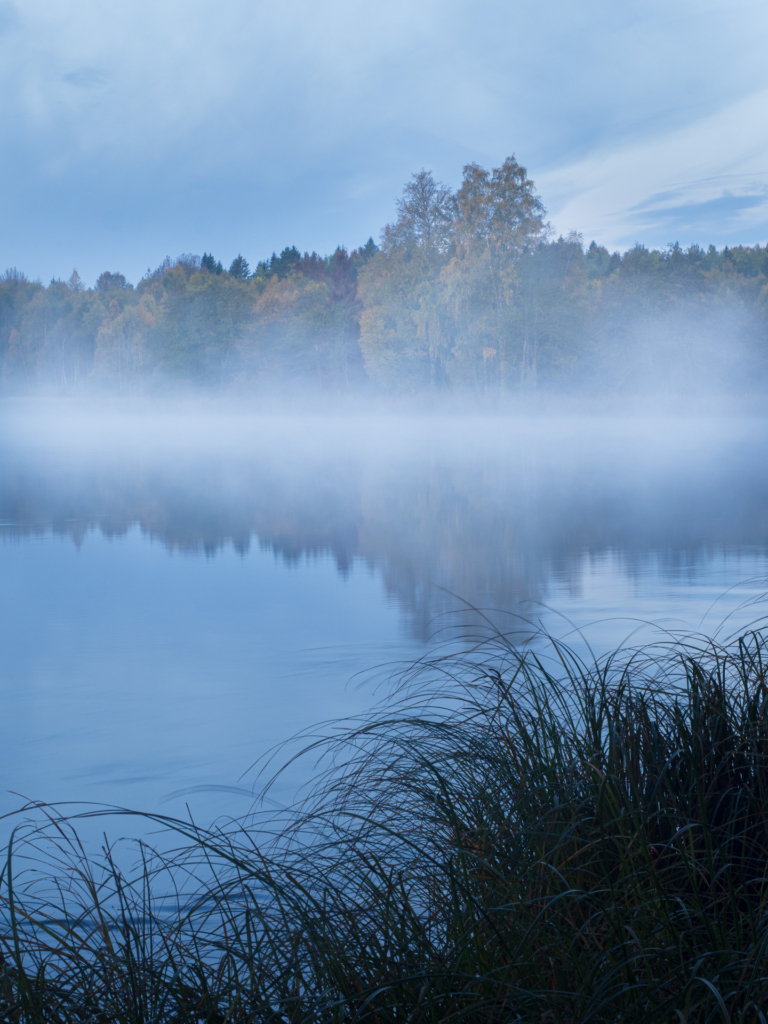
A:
(132, 131)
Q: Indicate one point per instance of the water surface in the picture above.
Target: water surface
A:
(180, 591)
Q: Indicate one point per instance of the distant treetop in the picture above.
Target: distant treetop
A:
(239, 268)
(210, 264)
(109, 282)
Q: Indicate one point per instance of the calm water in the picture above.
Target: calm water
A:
(179, 592)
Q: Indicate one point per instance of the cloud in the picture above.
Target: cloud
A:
(135, 130)
(708, 178)
(725, 214)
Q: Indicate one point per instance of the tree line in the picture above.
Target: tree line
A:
(468, 290)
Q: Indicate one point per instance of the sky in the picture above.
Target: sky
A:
(136, 130)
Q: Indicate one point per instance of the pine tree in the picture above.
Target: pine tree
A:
(239, 268)
(211, 265)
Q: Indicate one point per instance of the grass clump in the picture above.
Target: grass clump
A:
(509, 838)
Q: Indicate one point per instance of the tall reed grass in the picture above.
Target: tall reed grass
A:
(508, 838)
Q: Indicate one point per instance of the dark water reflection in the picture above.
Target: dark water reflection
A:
(222, 575)
(491, 510)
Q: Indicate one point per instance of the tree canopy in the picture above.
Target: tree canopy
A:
(468, 290)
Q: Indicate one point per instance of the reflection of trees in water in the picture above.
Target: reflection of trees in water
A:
(493, 526)
(440, 529)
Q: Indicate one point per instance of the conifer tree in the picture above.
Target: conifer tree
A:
(239, 268)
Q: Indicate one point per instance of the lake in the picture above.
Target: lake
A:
(181, 590)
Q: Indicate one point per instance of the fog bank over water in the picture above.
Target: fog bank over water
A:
(492, 510)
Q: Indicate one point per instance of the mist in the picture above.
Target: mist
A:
(384, 568)
(467, 299)
(231, 496)
(186, 583)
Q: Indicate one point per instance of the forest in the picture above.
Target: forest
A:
(467, 291)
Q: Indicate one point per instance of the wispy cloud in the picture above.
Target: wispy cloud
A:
(708, 179)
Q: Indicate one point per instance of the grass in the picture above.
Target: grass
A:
(508, 838)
